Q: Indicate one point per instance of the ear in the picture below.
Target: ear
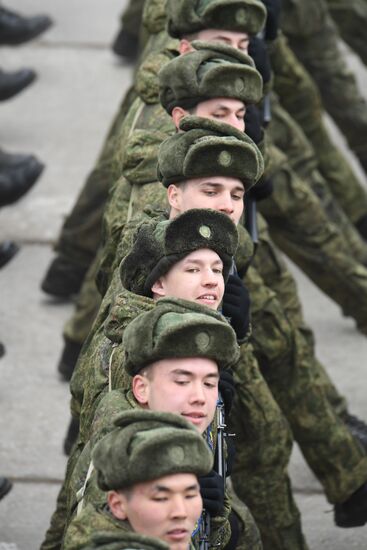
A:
(117, 504)
(140, 388)
(173, 197)
(177, 114)
(184, 46)
(158, 290)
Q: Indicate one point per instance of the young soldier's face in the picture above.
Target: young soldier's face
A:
(186, 386)
(219, 193)
(238, 40)
(230, 111)
(167, 508)
(197, 278)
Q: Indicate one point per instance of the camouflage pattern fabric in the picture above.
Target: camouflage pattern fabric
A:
(87, 305)
(294, 209)
(313, 37)
(299, 95)
(351, 19)
(91, 520)
(80, 235)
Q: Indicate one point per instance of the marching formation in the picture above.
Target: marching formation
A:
(192, 370)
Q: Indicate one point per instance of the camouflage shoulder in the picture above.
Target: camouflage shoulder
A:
(146, 80)
(125, 307)
(109, 407)
(79, 533)
(124, 540)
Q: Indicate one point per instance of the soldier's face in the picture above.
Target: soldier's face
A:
(184, 386)
(238, 40)
(198, 278)
(167, 508)
(219, 193)
(230, 111)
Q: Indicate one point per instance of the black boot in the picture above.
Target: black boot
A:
(8, 249)
(16, 29)
(2, 349)
(352, 512)
(16, 179)
(126, 45)
(63, 278)
(13, 83)
(71, 435)
(358, 428)
(5, 486)
(69, 358)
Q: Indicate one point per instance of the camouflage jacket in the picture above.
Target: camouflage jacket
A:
(86, 501)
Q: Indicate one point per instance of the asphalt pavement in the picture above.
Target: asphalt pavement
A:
(63, 118)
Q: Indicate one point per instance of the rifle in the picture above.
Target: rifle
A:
(250, 219)
(221, 470)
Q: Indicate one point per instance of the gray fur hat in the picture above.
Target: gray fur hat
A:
(213, 70)
(147, 445)
(160, 245)
(177, 328)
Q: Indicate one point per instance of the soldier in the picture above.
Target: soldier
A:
(173, 354)
(149, 464)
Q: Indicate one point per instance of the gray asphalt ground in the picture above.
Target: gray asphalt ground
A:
(63, 118)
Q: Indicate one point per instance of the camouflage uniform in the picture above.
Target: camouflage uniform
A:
(351, 18)
(301, 228)
(299, 95)
(313, 37)
(80, 235)
(107, 533)
(91, 500)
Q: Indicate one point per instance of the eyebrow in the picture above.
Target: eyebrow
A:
(220, 185)
(223, 106)
(198, 261)
(184, 372)
(164, 489)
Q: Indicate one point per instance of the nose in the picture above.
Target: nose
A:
(198, 395)
(179, 508)
(209, 279)
(227, 204)
(234, 121)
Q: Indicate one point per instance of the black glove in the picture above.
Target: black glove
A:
(273, 8)
(262, 190)
(253, 123)
(259, 53)
(236, 305)
(226, 389)
(212, 493)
